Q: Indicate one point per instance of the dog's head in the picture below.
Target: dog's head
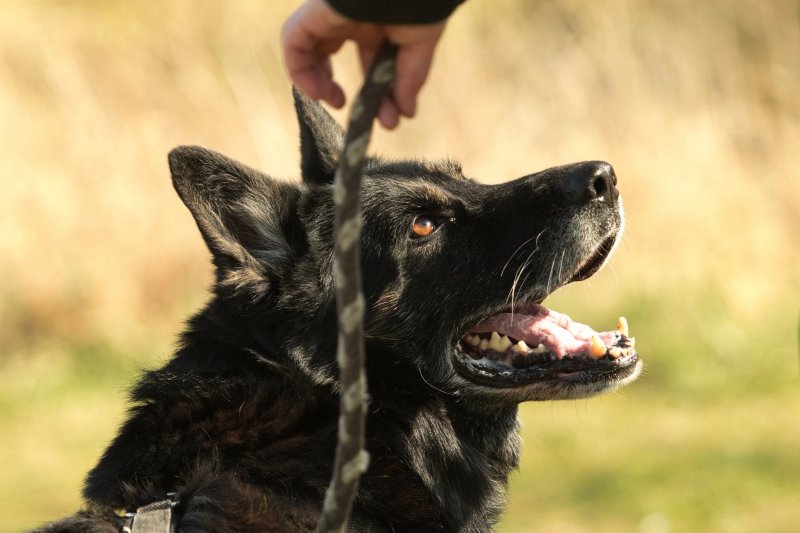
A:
(454, 271)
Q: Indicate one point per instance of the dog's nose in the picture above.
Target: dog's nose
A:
(591, 180)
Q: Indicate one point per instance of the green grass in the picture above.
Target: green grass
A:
(611, 463)
(58, 410)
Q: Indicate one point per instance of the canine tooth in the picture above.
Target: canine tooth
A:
(541, 349)
(598, 349)
(521, 347)
(495, 343)
(615, 352)
(473, 340)
(622, 325)
(505, 342)
(484, 345)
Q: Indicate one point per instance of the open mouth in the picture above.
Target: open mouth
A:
(533, 344)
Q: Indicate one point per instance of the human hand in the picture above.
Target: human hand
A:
(316, 31)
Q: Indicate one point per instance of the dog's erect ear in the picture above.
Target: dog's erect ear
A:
(321, 140)
(242, 214)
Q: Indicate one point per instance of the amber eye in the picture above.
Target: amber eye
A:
(423, 226)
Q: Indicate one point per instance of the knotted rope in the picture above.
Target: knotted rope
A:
(351, 457)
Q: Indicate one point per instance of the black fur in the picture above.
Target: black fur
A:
(242, 421)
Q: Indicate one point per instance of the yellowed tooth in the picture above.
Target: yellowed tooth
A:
(484, 345)
(473, 340)
(614, 352)
(495, 343)
(622, 325)
(505, 343)
(521, 347)
(598, 349)
(541, 349)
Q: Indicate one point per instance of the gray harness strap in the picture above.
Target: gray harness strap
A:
(154, 517)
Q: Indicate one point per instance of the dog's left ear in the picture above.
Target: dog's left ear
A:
(321, 140)
(243, 215)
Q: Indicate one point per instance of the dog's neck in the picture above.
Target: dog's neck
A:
(465, 457)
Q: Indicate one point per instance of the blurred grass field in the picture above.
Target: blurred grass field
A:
(697, 105)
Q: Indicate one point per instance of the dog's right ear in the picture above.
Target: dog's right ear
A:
(321, 140)
(242, 214)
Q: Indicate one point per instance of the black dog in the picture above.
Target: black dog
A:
(242, 422)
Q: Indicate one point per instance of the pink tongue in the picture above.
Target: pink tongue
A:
(539, 325)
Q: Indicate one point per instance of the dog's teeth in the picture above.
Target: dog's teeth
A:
(484, 345)
(540, 349)
(505, 343)
(495, 343)
(521, 347)
(615, 352)
(473, 340)
(598, 349)
(622, 325)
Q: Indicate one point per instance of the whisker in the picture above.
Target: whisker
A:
(512, 293)
(515, 253)
(518, 275)
(550, 276)
(431, 385)
(521, 285)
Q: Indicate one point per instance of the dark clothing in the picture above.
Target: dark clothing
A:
(396, 11)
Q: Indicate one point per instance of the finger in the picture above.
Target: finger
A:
(414, 57)
(316, 81)
(317, 85)
(327, 67)
(369, 44)
(388, 114)
(307, 60)
(413, 64)
(335, 95)
(314, 76)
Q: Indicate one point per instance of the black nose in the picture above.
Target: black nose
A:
(590, 180)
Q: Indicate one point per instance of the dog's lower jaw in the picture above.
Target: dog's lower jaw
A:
(566, 389)
(475, 389)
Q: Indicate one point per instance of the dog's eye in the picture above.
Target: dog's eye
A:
(423, 226)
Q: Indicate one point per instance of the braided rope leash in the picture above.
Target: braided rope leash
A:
(351, 457)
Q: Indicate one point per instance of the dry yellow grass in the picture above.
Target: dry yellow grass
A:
(695, 104)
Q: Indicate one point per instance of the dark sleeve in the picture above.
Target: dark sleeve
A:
(396, 11)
